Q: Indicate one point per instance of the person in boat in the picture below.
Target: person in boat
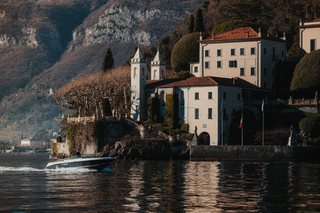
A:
(59, 138)
(78, 155)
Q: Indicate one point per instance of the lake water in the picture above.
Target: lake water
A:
(159, 186)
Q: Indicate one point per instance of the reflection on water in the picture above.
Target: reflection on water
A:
(163, 186)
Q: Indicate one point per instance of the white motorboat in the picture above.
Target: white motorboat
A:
(88, 162)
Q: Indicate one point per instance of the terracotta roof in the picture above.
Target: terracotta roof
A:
(311, 24)
(243, 33)
(200, 81)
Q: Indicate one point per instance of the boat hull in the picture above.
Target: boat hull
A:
(86, 163)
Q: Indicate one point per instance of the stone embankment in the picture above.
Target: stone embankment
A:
(255, 153)
(121, 138)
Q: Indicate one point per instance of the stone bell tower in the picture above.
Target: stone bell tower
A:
(138, 83)
(158, 67)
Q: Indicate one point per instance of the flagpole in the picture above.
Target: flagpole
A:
(242, 124)
(262, 108)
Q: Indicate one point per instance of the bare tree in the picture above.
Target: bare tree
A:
(86, 94)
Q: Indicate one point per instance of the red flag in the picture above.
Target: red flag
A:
(240, 125)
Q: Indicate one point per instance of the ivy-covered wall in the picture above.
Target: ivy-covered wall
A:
(154, 109)
(172, 110)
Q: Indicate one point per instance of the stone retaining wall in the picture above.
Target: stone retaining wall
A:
(260, 153)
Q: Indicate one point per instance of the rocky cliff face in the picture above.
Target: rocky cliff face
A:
(46, 43)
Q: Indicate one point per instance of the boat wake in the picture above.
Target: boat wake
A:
(60, 170)
(19, 169)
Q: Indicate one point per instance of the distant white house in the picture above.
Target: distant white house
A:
(25, 143)
(309, 34)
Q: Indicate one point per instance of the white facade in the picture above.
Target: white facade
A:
(138, 83)
(309, 34)
(25, 142)
(241, 53)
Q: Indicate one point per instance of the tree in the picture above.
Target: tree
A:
(198, 22)
(108, 61)
(191, 24)
(231, 25)
(307, 72)
(185, 51)
(311, 125)
(87, 95)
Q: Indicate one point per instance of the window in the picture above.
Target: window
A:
(209, 113)
(282, 53)
(241, 51)
(162, 74)
(253, 71)
(196, 96)
(154, 73)
(312, 44)
(219, 64)
(224, 95)
(209, 95)
(265, 50)
(273, 53)
(233, 52)
(134, 72)
(206, 53)
(232, 63)
(239, 96)
(218, 52)
(206, 65)
(196, 113)
(195, 69)
(253, 50)
(241, 71)
(225, 113)
(265, 71)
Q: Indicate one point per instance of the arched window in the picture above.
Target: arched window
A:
(162, 104)
(134, 72)
(181, 107)
(154, 74)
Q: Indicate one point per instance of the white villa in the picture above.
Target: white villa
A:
(231, 65)
(309, 36)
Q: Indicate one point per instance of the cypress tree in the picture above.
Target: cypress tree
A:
(198, 22)
(108, 61)
(191, 24)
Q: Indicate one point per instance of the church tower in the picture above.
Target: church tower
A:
(138, 83)
(158, 67)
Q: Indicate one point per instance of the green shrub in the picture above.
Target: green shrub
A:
(153, 109)
(231, 25)
(185, 127)
(307, 72)
(171, 117)
(71, 133)
(311, 125)
(186, 50)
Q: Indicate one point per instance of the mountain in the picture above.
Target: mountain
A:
(46, 43)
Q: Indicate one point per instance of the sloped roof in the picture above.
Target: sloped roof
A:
(200, 81)
(311, 24)
(243, 33)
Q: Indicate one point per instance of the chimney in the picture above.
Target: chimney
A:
(247, 34)
(233, 81)
(201, 37)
